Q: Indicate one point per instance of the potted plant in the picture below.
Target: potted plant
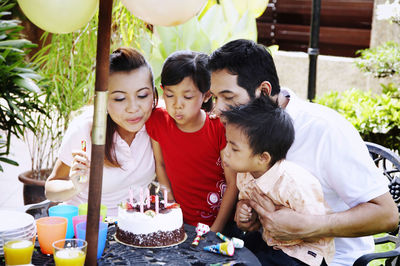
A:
(67, 65)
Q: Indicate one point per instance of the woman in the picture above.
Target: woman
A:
(129, 157)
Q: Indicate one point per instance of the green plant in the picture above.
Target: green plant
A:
(376, 117)
(68, 67)
(381, 61)
(18, 90)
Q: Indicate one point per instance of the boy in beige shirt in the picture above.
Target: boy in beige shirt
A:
(258, 138)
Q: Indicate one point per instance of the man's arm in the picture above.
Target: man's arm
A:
(377, 215)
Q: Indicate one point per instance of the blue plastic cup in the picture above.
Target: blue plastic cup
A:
(101, 243)
(67, 211)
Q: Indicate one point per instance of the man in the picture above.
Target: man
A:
(325, 144)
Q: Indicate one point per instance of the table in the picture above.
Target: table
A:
(183, 254)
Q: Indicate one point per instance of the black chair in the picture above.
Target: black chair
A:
(389, 162)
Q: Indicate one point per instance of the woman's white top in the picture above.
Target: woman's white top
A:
(137, 162)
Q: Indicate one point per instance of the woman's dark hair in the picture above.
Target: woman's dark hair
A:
(267, 127)
(124, 60)
(251, 62)
(182, 64)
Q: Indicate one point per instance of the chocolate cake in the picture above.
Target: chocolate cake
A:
(150, 226)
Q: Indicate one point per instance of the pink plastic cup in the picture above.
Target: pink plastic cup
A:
(79, 219)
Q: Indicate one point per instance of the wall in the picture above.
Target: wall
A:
(333, 73)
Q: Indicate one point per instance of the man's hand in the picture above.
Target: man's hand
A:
(283, 223)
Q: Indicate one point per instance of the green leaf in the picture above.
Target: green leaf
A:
(210, 4)
(202, 43)
(246, 28)
(216, 35)
(169, 39)
(231, 15)
(7, 6)
(187, 34)
(27, 83)
(9, 161)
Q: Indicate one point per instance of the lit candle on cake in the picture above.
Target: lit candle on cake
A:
(165, 197)
(157, 207)
(148, 198)
(141, 200)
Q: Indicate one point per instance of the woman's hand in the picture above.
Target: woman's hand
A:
(80, 169)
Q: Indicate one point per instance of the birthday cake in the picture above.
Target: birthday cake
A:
(150, 225)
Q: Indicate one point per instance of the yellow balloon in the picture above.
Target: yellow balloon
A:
(59, 16)
(164, 12)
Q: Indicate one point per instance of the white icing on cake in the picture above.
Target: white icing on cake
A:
(140, 223)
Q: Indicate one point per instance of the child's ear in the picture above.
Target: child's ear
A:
(264, 88)
(265, 158)
(207, 96)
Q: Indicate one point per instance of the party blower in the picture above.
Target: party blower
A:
(226, 248)
(201, 230)
(238, 243)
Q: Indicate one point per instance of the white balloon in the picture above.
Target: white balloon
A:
(164, 12)
(59, 16)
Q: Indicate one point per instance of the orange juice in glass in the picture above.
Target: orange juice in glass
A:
(18, 251)
(70, 252)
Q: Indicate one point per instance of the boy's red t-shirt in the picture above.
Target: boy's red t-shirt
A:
(193, 165)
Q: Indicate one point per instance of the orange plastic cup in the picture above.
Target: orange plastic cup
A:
(50, 229)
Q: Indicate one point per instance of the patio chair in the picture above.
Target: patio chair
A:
(389, 163)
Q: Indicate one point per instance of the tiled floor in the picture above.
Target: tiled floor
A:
(10, 187)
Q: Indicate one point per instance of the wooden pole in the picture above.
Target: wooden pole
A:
(98, 130)
(313, 50)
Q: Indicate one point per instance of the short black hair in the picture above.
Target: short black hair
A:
(267, 126)
(182, 64)
(251, 62)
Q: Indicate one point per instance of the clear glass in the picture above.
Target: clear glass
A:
(69, 252)
(18, 251)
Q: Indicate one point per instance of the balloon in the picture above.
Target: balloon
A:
(59, 16)
(164, 12)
